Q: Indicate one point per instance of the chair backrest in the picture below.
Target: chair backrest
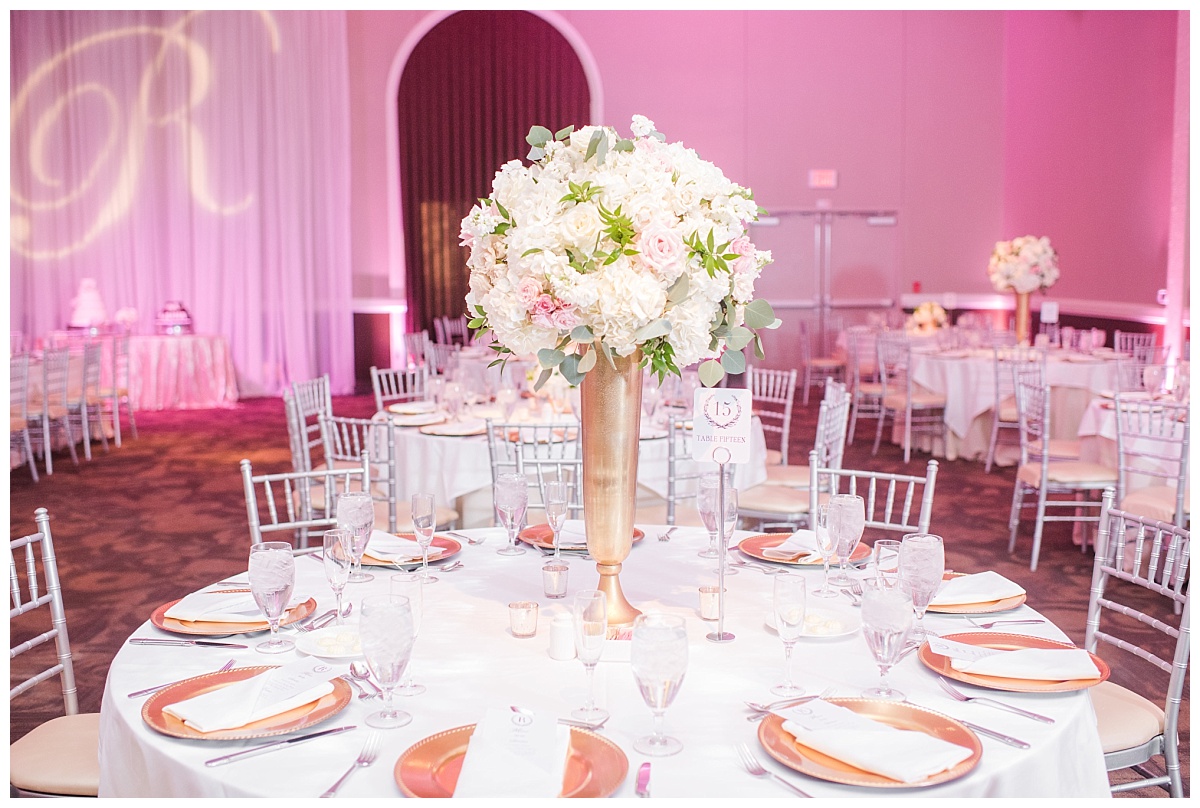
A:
(16, 343)
(120, 364)
(1051, 332)
(93, 357)
(1131, 374)
(18, 385)
(772, 393)
(894, 353)
(397, 384)
(1033, 416)
(441, 358)
(1152, 447)
(286, 499)
(353, 439)
(1007, 361)
(1001, 338)
(901, 503)
(681, 471)
(56, 365)
(1135, 554)
(29, 595)
(312, 399)
(455, 329)
(1126, 342)
(860, 346)
(297, 445)
(538, 450)
(414, 348)
(833, 421)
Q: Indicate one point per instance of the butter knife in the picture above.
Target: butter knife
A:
(205, 643)
(999, 736)
(267, 747)
(643, 780)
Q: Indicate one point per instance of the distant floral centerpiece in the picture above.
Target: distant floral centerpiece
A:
(926, 318)
(604, 245)
(1023, 265)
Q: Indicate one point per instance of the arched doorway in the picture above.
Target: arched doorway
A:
(470, 90)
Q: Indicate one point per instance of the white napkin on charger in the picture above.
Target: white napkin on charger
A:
(1032, 663)
(802, 542)
(513, 754)
(980, 587)
(572, 534)
(389, 548)
(903, 755)
(217, 607)
(259, 697)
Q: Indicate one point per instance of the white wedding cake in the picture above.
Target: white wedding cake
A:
(88, 308)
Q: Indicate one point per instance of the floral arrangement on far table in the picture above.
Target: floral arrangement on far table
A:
(604, 245)
(1023, 265)
(926, 318)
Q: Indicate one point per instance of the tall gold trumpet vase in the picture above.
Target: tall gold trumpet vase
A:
(611, 403)
(1022, 317)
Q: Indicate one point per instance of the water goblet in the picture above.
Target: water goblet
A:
(708, 505)
(847, 520)
(511, 497)
(557, 494)
(789, 606)
(410, 585)
(356, 513)
(424, 517)
(590, 615)
(272, 575)
(506, 400)
(1182, 382)
(887, 617)
(386, 633)
(659, 656)
(1152, 379)
(335, 551)
(434, 387)
(651, 394)
(886, 562)
(826, 547)
(922, 565)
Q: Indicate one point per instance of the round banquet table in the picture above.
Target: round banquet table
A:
(469, 662)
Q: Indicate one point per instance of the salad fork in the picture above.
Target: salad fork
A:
(763, 709)
(958, 695)
(753, 767)
(370, 751)
(1002, 622)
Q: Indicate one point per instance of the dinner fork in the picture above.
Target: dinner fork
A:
(1002, 622)
(147, 691)
(756, 769)
(762, 710)
(465, 537)
(960, 696)
(667, 535)
(366, 757)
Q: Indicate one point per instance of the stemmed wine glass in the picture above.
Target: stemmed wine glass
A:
(922, 564)
(356, 513)
(557, 494)
(826, 547)
(790, 605)
(410, 585)
(435, 386)
(591, 629)
(272, 575)
(424, 518)
(338, 561)
(659, 656)
(1182, 381)
(511, 498)
(707, 502)
(847, 520)
(453, 397)
(1152, 379)
(887, 562)
(887, 617)
(386, 633)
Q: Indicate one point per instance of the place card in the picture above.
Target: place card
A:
(514, 753)
(721, 424)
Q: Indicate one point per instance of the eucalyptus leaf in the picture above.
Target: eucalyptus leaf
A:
(602, 152)
(536, 153)
(623, 146)
(679, 290)
(570, 370)
(608, 355)
(733, 361)
(564, 133)
(545, 375)
(758, 347)
(711, 373)
(538, 135)
(581, 333)
(587, 361)
(759, 314)
(550, 358)
(594, 143)
(656, 328)
(739, 337)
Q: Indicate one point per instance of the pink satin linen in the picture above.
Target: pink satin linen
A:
(185, 372)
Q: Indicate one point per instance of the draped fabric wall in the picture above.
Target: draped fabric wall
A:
(470, 91)
(193, 156)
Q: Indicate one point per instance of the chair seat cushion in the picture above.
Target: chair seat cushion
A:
(60, 756)
(827, 363)
(16, 423)
(774, 457)
(1155, 502)
(1068, 472)
(790, 476)
(1058, 448)
(773, 499)
(1008, 410)
(869, 389)
(921, 400)
(1126, 720)
(655, 513)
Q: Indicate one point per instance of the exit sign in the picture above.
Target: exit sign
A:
(822, 178)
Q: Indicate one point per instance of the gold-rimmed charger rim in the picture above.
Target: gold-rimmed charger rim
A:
(433, 431)
(784, 747)
(596, 766)
(1008, 642)
(208, 628)
(449, 546)
(754, 545)
(302, 717)
(982, 607)
(542, 536)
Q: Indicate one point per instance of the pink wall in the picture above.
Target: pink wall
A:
(1088, 127)
(922, 112)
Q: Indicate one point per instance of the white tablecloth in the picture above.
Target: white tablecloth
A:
(469, 662)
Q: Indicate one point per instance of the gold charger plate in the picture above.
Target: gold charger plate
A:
(449, 546)
(306, 715)
(1008, 642)
(543, 536)
(596, 766)
(160, 620)
(753, 546)
(782, 746)
(464, 429)
(983, 607)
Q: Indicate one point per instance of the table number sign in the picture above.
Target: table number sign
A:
(721, 420)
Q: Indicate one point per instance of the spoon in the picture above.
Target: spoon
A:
(453, 566)
(361, 674)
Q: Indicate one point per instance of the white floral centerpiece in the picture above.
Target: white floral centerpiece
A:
(604, 245)
(926, 319)
(1023, 265)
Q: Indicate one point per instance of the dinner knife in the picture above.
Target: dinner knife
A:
(267, 747)
(205, 643)
(999, 736)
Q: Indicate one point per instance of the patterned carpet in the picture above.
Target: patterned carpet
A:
(165, 515)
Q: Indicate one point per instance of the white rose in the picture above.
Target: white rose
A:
(580, 226)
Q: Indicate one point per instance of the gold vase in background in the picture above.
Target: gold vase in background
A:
(611, 403)
(1022, 317)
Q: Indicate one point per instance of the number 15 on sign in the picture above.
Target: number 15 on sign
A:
(721, 420)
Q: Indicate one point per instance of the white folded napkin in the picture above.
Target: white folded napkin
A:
(1032, 663)
(572, 534)
(513, 754)
(802, 542)
(903, 755)
(271, 693)
(389, 548)
(980, 587)
(217, 607)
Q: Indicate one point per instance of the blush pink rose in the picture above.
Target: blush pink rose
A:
(661, 247)
(527, 292)
(744, 248)
(542, 321)
(543, 305)
(564, 319)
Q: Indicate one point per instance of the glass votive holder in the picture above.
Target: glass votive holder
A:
(522, 618)
(554, 579)
(709, 605)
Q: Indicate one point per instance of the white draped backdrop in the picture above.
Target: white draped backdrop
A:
(193, 156)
